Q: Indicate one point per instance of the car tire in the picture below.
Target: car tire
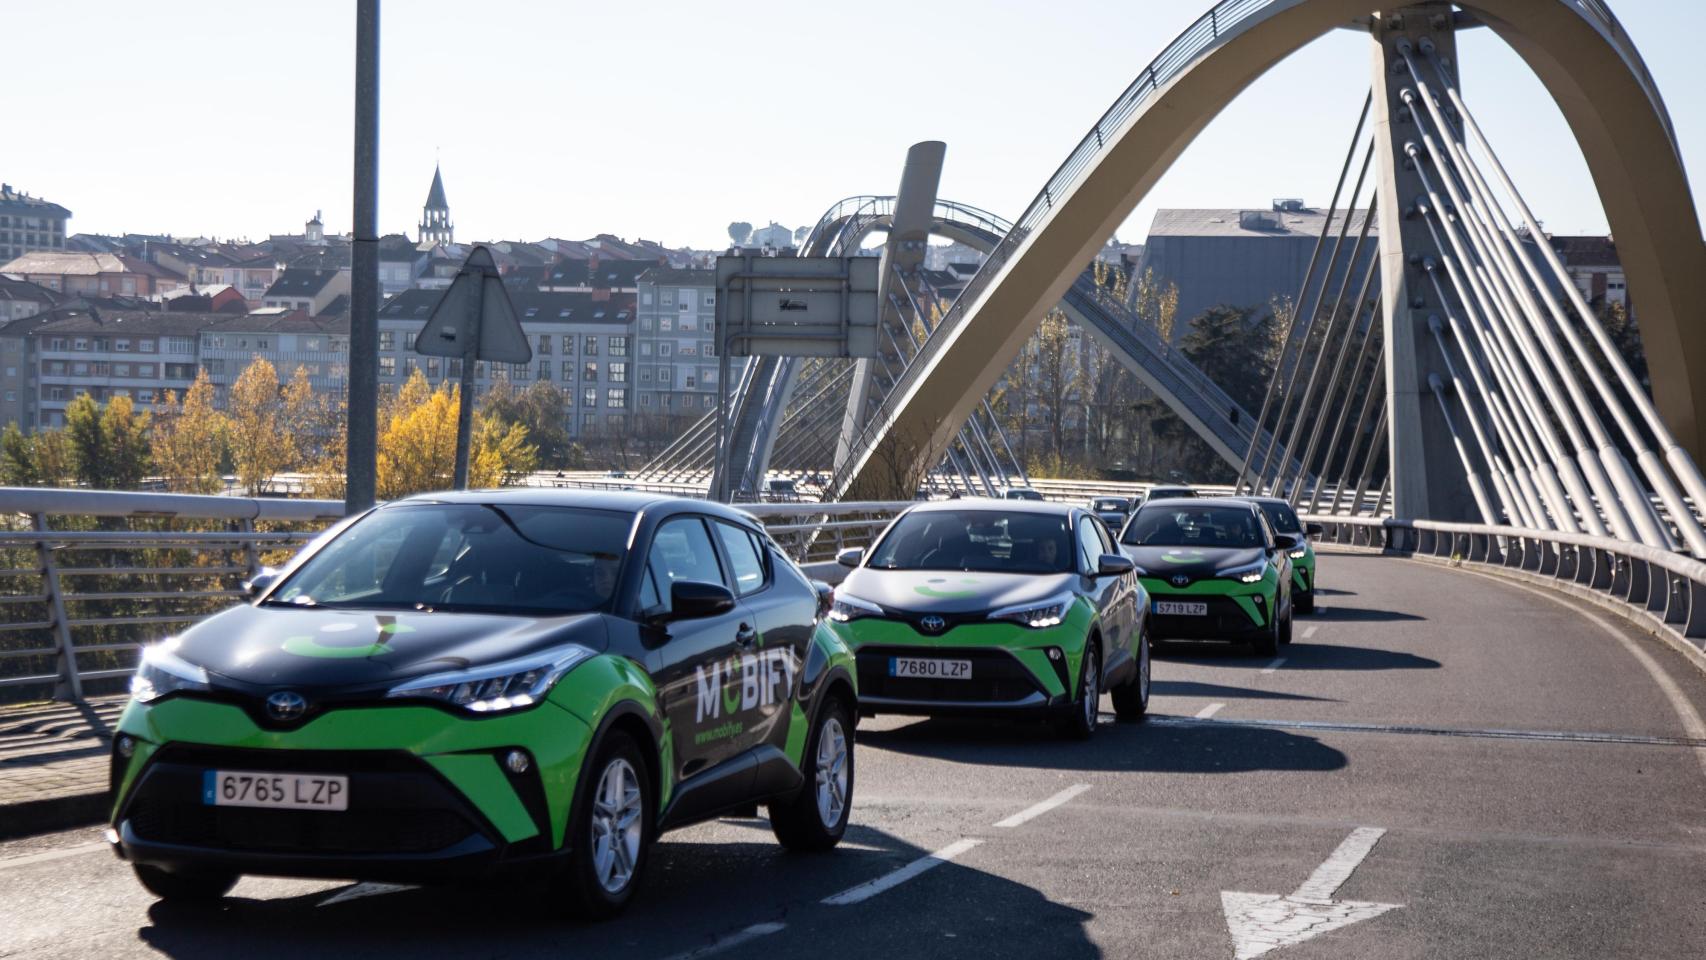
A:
(1131, 699)
(1267, 643)
(616, 797)
(1285, 629)
(186, 886)
(1306, 601)
(816, 818)
(1080, 722)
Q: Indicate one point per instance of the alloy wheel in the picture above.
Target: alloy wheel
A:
(616, 825)
(831, 772)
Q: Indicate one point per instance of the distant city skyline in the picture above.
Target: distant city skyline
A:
(557, 121)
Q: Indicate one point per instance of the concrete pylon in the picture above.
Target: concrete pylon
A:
(908, 242)
(1428, 479)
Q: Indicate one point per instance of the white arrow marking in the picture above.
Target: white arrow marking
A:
(1260, 922)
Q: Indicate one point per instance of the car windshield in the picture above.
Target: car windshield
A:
(1108, 505)
(1193, 526)
(1169, 493)
(1281, 517)
(484, 558)
(981, 540)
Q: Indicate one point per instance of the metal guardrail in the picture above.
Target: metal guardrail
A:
(1666, 590)
(91, 576)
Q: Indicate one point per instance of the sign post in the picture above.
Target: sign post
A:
(473, 321)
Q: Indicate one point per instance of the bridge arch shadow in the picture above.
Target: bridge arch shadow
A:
(686, 901)
(1124, 748)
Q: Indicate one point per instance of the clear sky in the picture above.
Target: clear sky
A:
(667, 119)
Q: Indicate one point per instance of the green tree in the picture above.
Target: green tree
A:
(260, 443)
(88, 441)
(55, 461)
(543, 409)
(17, 458)
(125, 431)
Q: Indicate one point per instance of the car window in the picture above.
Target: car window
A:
(1104, 535)
(977, 540)
(465, 556)
(1281, 517)
(1194, 526)
(1089, 545)
(681, 550)
(743, 556)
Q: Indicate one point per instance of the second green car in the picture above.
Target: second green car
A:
(1003, 607)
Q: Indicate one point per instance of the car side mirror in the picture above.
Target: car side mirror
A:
(262, 581)
(1314, 529)
(825, 597)
(695, 599)
(1113, 565)
(850, 557)
(1286, 541)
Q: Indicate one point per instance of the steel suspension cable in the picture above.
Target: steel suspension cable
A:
(1332, 381)
(1496, 469)
(1477, 489)
(1302, 293)
(1376, 389)
(1337, 435)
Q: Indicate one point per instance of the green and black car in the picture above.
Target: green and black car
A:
(457, 685)
(1284, 520)
(1214, 570)
(1005, 607)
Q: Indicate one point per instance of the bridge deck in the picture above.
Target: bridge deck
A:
(1423, 701)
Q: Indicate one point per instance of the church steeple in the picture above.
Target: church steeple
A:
(435, 223)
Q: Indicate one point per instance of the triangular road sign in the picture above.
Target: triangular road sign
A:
(477, 305)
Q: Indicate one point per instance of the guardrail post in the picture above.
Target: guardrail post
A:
(1676, 604)
(70, 684)
(1695, 627)
(1658, 588)
(1568, 559)
(1638, 577)
(251, 553)
(1604, 568)
(1620, 574)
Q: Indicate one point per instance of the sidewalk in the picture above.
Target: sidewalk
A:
(53, 764)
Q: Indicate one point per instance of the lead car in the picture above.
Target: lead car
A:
(453, 686)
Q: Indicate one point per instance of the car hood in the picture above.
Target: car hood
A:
(265, 646)
(951, 591)
(1193, 563)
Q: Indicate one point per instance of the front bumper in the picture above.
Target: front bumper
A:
(1235, 612)
(1015, 670)
(429, 799)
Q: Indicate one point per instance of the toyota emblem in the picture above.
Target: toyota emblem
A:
(286, 705)
(933, 623)
(1180, 580)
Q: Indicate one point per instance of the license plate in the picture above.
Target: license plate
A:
(930, 669)
(1181, 608)
(278, 791)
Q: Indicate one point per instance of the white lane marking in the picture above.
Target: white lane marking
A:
(1310, 631)
(1332, 873)
(1260, 922)
(1209, 711)
(47, 855)
(1037, 810)
(359, 890)
(866, 891)
(732, 940)
(1691, 722)
(1275, 665)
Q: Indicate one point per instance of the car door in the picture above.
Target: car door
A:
(782, 611)
(1111, 596)
(698, 666)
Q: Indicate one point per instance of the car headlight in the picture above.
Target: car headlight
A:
(848, 607)
(497, 687)
(162, 671)
(1299, 553)
(1248, 573)
(1048, 613)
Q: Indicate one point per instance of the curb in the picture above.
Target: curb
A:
(53, 813)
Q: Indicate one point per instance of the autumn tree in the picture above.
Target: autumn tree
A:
(189, 439)
(260, 443)
(417, 443)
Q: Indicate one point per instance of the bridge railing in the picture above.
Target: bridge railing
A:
(89, 576)
(1665, 590)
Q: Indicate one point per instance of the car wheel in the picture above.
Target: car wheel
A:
(1306, 601)
(1080, 722)
(1131, 699)
(1267, 643)
(817, 816)
(612, 829)
(1285, 629)
(186, 886)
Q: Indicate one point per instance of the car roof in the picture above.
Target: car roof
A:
(1256, 499)
(992, 505)
(626, 501)
(1199, 502)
